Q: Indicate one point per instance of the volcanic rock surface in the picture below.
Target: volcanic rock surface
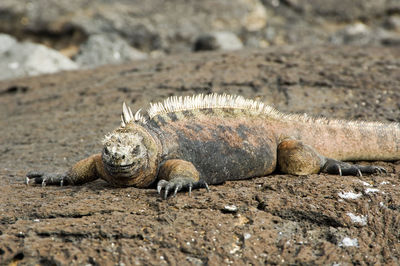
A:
(51, 121)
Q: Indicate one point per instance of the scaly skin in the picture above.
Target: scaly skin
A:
(183, 144)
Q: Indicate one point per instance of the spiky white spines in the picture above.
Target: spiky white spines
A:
(127, 116)
(201, 101)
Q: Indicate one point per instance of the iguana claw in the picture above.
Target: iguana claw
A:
(342, 168)
(179, 184)
(45, 178)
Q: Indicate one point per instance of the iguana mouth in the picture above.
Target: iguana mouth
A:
(119, 170)
(128, 166)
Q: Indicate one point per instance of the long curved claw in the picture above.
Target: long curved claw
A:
(380, 170)
(37, 177)
(339, 170)
(190, 189)
(359, 172)
(160, 185)
(44, 182)
(166, 193)
(178, 184)
(177, 188)
(46, 178)
(205, 185)
(167, 188)
(342, 168)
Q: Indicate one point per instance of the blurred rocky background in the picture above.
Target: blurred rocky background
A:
(45, 36)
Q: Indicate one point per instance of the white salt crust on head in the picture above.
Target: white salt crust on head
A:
(119, 144)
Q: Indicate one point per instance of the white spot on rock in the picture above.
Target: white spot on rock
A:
(371, 190)
(235, 249)
(230, 208)
(349, 242)
(349, 195)
(366, 184)
(359, 219)
(13, 65)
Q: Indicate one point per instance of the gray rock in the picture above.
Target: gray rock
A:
(392, 23)
(357, 33)
(29, 59)
(391, 41)
(347, 11)
(170, 26)
(6, 42)
(361, 34)
(106, 49)
(222, 40)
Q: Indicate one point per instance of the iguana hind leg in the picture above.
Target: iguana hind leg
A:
(84, 171)
(295, 157)
(178, 174)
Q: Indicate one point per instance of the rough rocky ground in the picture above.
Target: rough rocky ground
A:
(50, 122)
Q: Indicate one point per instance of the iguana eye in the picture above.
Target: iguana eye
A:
(136, 149)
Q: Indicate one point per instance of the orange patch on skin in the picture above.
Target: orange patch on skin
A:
(232, 138)
(176, 168)
(288, 144)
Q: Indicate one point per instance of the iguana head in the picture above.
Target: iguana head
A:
(130, 156)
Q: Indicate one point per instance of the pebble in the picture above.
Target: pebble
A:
(230, 208)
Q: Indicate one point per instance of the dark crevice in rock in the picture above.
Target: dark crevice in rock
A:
(8, 220)
(61, 37)
(67, 36)
(48, 262)
(74, 236)
(300, 215)
(17, 257)
(394, 207)
(14, 90)
(68, 215)
(310, 216)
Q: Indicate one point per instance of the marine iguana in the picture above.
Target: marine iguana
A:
(193, 141)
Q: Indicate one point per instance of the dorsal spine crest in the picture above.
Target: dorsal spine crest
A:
(201, 101)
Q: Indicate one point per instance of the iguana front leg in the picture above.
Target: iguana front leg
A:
(178, 174)
(84, 171)
(295, 157)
